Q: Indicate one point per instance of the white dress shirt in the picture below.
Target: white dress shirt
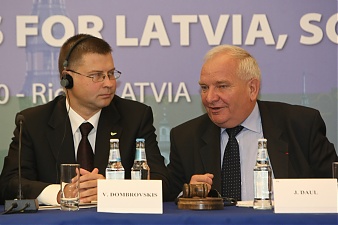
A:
(247, 141)
(48, 195)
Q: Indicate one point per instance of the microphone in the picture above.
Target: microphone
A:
(20, 205)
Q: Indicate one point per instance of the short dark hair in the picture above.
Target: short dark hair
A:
(90, 44)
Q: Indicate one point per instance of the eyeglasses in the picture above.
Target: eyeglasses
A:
(99, 76)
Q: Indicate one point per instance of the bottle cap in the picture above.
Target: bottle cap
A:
(140, 139)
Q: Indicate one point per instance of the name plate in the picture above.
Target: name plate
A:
(305, 195)
(130, 196)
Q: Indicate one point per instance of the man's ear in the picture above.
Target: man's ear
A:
(254, 87)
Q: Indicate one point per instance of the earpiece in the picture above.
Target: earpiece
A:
(66, 79)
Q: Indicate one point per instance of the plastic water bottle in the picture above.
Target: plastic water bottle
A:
(114, 170)
(140, 169)
(262, 178)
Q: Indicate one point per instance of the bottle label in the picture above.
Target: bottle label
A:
(114, 155)
(262, 155)
(115, 175)
(261, 187)
(140, 154)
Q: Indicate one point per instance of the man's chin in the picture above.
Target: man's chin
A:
(104, 102)
(216, 120)
(220, 122)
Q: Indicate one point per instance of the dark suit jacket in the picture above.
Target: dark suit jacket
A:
(297, 145)
(47, 142)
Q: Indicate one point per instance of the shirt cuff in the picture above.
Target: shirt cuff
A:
(49, 195)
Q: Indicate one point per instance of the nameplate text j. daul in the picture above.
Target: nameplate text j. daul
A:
(305, 192)
(305, 195)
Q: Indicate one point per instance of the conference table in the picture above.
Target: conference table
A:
(171, 215)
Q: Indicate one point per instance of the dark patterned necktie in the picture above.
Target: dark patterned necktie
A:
(85, 155)
(231, 168)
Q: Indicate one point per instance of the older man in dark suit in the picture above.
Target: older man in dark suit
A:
(230, 82)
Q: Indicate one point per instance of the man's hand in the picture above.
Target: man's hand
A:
(88, 185)
(202, 178)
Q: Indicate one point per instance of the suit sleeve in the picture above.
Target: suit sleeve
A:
(175, 167)
(322, 152)
(158, 170)
(9, 182)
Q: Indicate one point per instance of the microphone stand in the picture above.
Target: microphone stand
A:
(20, 205)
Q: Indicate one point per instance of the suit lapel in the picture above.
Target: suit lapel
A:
(59, 138)
(277, 148)
(210, 150)
(107, 128)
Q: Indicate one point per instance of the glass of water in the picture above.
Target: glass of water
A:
(335, 174)
(335, 170)
(69, 184)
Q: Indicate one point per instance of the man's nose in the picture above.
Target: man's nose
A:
(211, 95)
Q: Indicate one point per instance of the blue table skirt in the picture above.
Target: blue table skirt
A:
(171, 215)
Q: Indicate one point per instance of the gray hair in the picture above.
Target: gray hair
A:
(247, 67)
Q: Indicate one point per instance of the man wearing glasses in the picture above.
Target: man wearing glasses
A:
(51, 133)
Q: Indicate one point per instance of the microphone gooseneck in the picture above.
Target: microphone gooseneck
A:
(20, 205)
(19, 158)
(63, 138)
(19, 121)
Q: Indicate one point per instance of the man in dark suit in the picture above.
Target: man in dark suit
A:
(51, 133)
(230, 83)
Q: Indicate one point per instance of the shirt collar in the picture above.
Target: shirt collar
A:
(76, 120)
(252, 122)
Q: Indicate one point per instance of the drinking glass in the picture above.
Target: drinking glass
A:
(69, 183)
(335, 170)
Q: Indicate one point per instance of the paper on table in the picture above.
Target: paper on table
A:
(82, 206)
(246, 203)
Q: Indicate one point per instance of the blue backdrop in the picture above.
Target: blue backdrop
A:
(159, 46)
